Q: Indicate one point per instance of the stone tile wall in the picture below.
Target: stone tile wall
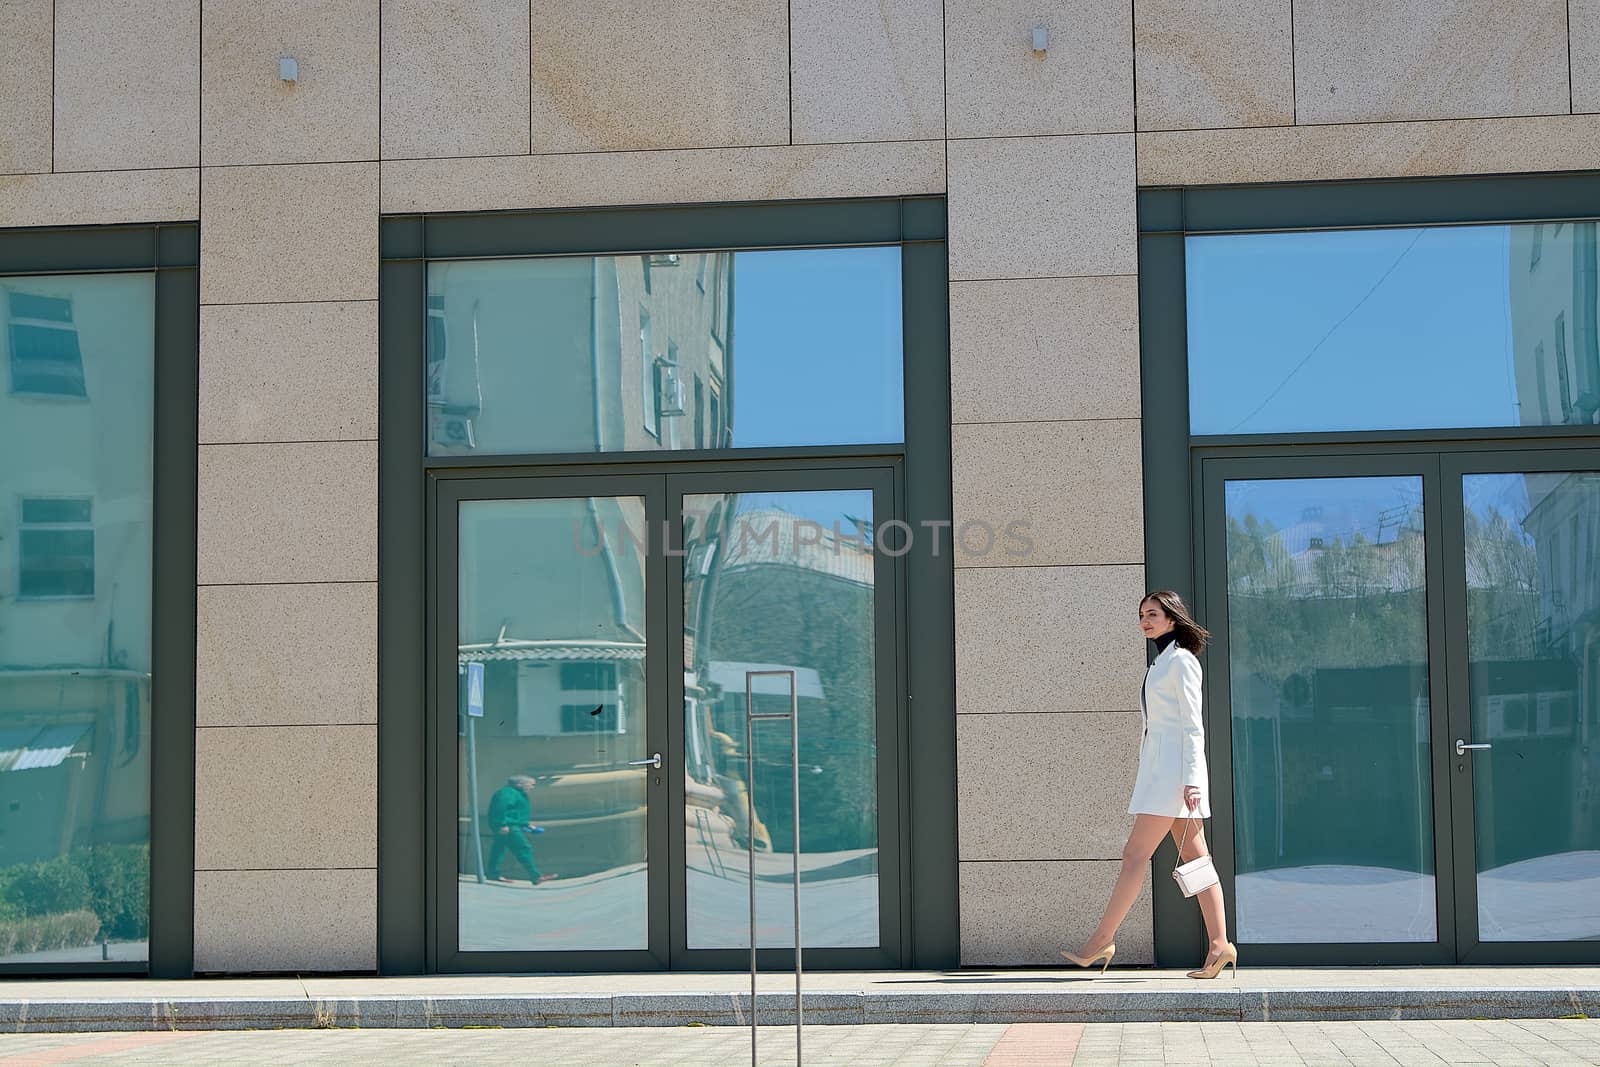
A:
(155, 110)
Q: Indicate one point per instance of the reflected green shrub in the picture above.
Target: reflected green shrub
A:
(111, 883)
(49, 933)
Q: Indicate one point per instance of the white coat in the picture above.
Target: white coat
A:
(1173, 752)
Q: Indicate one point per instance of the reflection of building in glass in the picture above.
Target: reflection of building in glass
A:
(552, 608)
(1555, 337)
(551, 631)
(1534, 621)
(75, 613)
(621, 353)
(1534, 613)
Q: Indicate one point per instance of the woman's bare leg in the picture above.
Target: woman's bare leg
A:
(1148, 830)
(1211, 905)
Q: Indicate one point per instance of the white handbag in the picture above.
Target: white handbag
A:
(1195, 875)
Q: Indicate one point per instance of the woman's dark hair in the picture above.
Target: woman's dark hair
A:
(1191, 635)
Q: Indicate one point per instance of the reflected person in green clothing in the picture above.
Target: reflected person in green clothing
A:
(510, 823)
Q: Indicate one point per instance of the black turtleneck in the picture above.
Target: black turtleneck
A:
(1164, 640)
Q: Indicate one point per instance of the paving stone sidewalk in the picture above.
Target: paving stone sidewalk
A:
(1554, 1042)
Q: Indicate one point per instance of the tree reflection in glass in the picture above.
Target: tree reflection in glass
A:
(1327, 641)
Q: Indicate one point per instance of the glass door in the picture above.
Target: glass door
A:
(549, 737)
(1524, 579)
(596, 803)
(1323, 596)
(787, 601)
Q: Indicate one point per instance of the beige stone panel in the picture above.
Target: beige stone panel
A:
(1020, 913)
(900, 168)
(1387, 60)
(330, 112)
(1048, 639)
(99, 198)
(1000, 87)
(1048, 348)
(288, 513)
(289, 233)
(301, 921)
(127, 84)
(455, 78)
(25, 76)
(287, 655)
(1583, 17)
(1045, 787)
(1210, 63)
(611, 75)
(1042, 207)
(273, 797)
(867, 72)
(1376, 150)
(289, 372)
(1076, 486)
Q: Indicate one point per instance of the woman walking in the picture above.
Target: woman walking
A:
(1170, 794)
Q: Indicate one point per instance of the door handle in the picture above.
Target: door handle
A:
(655, 761)
(1462, 746)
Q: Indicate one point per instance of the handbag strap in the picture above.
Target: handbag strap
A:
(1183, 841)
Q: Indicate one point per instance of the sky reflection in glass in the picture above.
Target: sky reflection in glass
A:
(1393, 329)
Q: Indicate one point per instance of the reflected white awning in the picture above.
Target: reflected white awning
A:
(31, 749)
(550, 650)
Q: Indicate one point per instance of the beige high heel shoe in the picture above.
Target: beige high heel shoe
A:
(1228, 957)
(1089, 961)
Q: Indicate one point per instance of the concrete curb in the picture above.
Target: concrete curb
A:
(409, 1011)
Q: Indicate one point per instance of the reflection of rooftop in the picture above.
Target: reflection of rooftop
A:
(550, 650)
(771, 536)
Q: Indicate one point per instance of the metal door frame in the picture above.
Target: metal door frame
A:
(1472, 949)
(1172, 456)
(666, 918)
(892, 757)
(407, 481)
(442, 718)
(1212, 604)
(170, 253)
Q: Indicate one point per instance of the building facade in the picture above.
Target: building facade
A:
(431, 431)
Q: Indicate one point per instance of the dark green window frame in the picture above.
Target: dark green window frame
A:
(1173, 456)
(172, 252)
(926, 660)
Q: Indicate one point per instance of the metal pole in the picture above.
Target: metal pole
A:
(750, 716)
(750, 846)
(794, 774)
(472, 793)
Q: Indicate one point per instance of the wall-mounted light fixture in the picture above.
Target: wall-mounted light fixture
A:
(289, 68)
(1041, 38)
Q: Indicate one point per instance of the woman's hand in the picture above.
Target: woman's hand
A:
(1191, 797)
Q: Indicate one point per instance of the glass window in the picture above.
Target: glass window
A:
(56, 541)
(602, 353)
(1392, 329)
(647, 376)
(43, 341)
(75, 618)
(1328, 671)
